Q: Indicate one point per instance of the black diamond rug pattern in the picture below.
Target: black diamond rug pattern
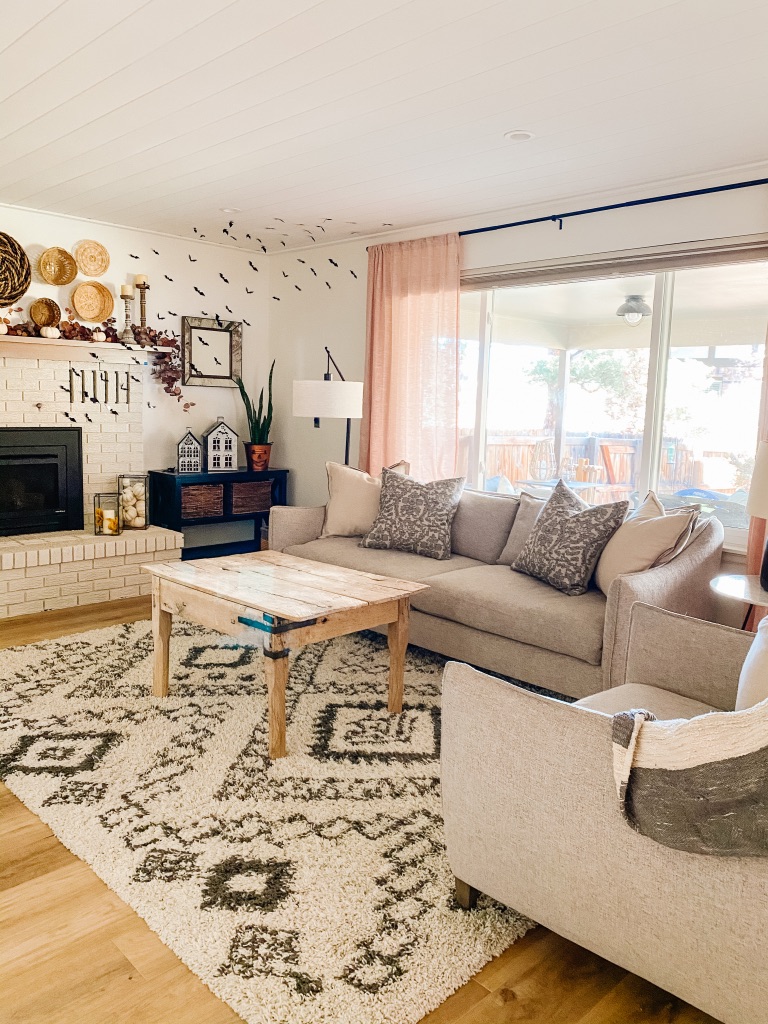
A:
(307, 890)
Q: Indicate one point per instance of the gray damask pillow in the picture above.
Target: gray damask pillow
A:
(568, 539)
(415, 517)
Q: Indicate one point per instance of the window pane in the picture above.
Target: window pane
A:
(567, 387)
(714, 383)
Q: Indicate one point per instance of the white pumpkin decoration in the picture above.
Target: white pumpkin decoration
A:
(129, 514)
(140, 507)
(139, 522)
(3, 328)
(98, 336)
(138, 490)
(50, 332)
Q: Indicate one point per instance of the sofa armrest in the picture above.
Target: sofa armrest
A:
(292, 524)
(681, 585)
(697, 659)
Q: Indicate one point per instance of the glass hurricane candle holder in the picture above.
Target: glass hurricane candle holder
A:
(134, 500)
(107, 515)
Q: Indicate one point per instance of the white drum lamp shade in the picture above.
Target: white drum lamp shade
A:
(328, 399)
(757, 499)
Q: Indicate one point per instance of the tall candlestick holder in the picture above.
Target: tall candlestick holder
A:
(143, 289)
(127, 333)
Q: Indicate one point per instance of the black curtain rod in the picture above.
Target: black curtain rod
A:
(558, 218)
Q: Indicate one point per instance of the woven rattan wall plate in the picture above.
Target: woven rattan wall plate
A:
(92, 258)
(92, 301)
(56, 266)
(45, 313)
(15, 271)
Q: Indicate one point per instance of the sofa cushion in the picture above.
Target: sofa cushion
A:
(353, 499)
(567, 540)
(495, 600)
(528, 512)
(415, 516)
(664, 704)
(403, 565)
(649, 536)
(482, 523)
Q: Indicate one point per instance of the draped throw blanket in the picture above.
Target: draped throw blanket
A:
(410, 404)
(701, 785)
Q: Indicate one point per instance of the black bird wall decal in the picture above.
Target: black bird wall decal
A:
(276, 298)
(333, 262)
(299, 260)
(199, 291)
(328, 284)
(171, 313)
(191, 260)
(159, 317)
(297, 288)
(168, 278)
(133, 257)
(284, 274)
(228, 309)
(202, 341)
(246, 322)
(313, 271)
(248, 291)
(217, 361)
(155, 252)
(253, 266)
(224, 279)
(353, 274)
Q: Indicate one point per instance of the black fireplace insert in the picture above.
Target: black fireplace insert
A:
(41, 479)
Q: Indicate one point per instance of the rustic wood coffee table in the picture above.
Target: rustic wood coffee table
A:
(293, 601)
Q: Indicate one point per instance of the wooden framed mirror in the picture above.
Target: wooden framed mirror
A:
(212, 351)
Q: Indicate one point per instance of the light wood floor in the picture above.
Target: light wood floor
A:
(71, 952)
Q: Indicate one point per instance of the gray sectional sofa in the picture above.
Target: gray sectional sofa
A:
(483, 613)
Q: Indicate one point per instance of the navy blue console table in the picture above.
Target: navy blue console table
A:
(179, 500)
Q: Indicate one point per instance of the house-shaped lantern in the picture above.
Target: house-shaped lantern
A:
(220, 447)
(189, 454)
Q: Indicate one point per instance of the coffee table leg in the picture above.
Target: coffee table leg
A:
(162, 622)
(276, 676)
(398, 643)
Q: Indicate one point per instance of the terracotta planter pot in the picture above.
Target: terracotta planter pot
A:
(257, 456)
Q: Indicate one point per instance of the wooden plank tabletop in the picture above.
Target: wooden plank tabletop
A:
(284, 585)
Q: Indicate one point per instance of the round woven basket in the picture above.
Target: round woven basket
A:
(15, 271)
(92, 258)
(93, 301)
(56, 266)
(45, 313)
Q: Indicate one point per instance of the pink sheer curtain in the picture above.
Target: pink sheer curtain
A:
(410, 403)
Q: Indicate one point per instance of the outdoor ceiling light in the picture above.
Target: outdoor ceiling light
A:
(633, 309)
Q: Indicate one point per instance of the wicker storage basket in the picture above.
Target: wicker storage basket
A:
(251, 497)
(201, 500)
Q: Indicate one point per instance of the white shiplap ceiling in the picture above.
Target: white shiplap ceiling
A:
(339, 117)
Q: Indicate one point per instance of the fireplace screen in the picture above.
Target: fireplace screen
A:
(41, 480)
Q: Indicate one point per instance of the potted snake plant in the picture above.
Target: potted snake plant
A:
(257, 450)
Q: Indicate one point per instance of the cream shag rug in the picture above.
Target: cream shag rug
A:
(306, 890)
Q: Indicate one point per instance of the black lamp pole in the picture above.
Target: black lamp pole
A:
(327, 376)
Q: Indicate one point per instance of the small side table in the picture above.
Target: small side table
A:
(737, 587)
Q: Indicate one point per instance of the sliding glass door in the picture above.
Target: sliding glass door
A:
(618, 385)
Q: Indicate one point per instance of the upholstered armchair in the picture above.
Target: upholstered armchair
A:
(532, 819)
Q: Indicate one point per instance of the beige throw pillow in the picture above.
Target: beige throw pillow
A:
(353, 502)
(528, 512)
(650, 536)
(753, 681)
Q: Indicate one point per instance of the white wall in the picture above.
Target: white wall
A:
(164, 420)
(302, 322)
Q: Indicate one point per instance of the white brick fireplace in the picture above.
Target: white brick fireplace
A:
(45, 571)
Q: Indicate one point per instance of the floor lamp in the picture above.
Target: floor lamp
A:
(329, 399)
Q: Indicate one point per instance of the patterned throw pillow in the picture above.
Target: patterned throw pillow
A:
(568, 539)
(415, 517)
